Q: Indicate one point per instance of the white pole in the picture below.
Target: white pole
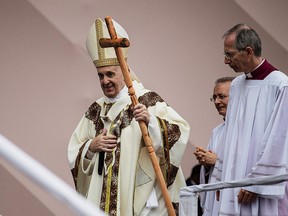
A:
(46, 179)
(188, 203)
(266, 180)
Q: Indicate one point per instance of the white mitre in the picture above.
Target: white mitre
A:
(104, 56)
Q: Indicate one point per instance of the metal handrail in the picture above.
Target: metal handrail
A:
(189, 195)
(46, 179)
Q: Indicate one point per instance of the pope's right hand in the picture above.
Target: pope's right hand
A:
(103, 142)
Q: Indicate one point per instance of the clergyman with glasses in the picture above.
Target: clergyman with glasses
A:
(256, 128)
(207, 157)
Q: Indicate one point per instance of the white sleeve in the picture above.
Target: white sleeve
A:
(155, 134)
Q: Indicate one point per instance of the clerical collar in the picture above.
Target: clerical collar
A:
(123, 91)
(261, 71)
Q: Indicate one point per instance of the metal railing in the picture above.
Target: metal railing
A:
(46, 179)
(66, 194)
(189, 195)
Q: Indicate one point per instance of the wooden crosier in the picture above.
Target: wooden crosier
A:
(117, 42)
(128, 81)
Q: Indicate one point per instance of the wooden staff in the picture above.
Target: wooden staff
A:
(118, 42)
(143, 127)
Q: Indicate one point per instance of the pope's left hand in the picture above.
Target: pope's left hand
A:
(141, 113)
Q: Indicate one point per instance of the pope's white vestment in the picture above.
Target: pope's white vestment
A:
(128, 184)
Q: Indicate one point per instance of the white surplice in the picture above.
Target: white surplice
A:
(256, 142)
(208, 199)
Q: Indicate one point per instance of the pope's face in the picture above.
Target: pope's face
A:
(111, 80)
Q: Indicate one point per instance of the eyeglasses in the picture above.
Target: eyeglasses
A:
(214, 97)
(230, 55)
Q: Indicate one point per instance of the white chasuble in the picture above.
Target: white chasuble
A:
(128, 177)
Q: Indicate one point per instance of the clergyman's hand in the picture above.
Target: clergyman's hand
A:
(205, 157)
(217, 195)
(199, 154)
(245, 196)
(103, 142)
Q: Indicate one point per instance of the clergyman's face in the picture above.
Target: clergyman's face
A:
(111, 80)
(221, 95)
(237, 60)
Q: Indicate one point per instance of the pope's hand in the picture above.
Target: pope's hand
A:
(103, 142)
(141, 113)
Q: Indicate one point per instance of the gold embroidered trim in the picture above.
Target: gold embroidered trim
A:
(103, 61)
(108, 190)
(107, 62)
(165, 147)
(99, 34)
(168, 149)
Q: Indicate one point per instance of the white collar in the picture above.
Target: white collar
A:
(249, 75)
(123, 91)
